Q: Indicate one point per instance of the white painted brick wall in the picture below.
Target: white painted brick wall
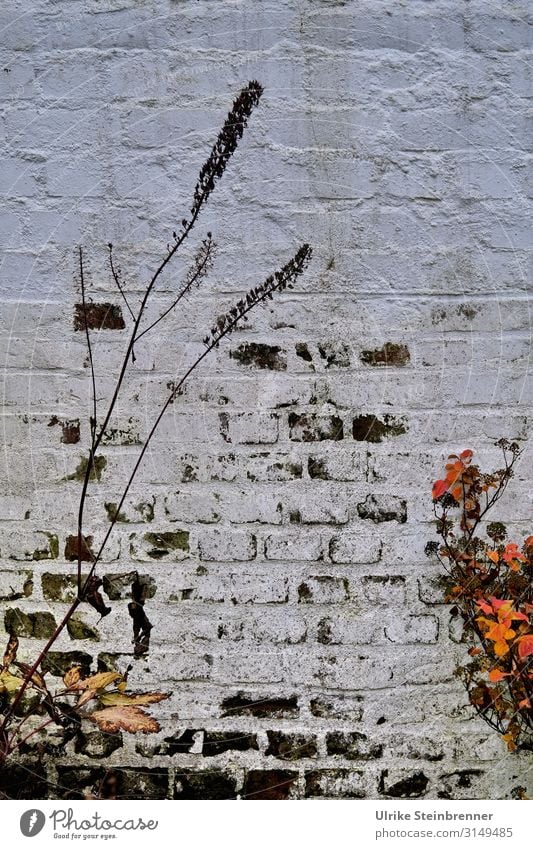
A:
(289, 616)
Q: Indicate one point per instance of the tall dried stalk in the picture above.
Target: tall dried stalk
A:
(95, 688)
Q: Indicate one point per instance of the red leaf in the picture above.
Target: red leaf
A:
(439, 488)
(525, 646)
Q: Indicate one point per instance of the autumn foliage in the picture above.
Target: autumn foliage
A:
(490, 585)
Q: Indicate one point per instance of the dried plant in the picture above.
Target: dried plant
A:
(28, 702)
(490, 583)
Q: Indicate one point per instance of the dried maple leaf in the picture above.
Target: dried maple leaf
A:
(132, 698)
(126, 718)
(85, 697)
(10, 653)
(36, 679)
(97, 681)
(71, 677)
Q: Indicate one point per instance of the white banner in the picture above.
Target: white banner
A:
(224, 825)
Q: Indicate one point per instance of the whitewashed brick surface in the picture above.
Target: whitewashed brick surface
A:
(283, 509)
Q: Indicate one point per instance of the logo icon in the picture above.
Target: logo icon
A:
(32, 822)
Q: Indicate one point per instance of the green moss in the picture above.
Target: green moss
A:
(99, 465)
(57, 662)
(166, 542)
(59, 587)
(79, 630)
(112, 515)
(38, 625)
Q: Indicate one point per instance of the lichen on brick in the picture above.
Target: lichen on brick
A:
(80, 630)
(97, 469)
(40, 625)
(390, 354)
(260, 355)
(70, 429)
(371, 428)
(165, 542)
(103, 316)
(307, 427)
(260, 706)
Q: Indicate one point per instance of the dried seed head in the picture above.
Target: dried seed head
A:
(226, 143)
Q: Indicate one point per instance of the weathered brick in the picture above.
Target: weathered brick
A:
(15, 585)
(212, 784)
(402, 784)
(258, 589)
(387, 590)
(294, 545)
(269, 784)
(391, 354)
(307, 427)
(249, 428)
(354, 547)
(165, 545)
(323, 589)
(291, 747)
(383, 508)
(334, 784)
(260, 355)
(104, 316)
(192, 507)
(352, 745)
(227, 545)
(337, 707)
(217, 742)
(40, 625)
(275, 707)
(413, 629)
(371, 428)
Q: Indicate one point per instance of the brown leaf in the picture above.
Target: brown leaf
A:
(132, 698)
(141, 624)
(36, 679)
(10, 653)
(85, 697)
(93, 596)
(127, 718)
(97, 681)
(71, 677)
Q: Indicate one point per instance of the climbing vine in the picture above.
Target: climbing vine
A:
(490, 585)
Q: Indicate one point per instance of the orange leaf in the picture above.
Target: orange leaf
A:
(126, 717)
(525, 645)
(496, 675)
(510, 740)
(439, 488)
(525, 703)
(466, 454)
(493, 555)
(500, 648)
